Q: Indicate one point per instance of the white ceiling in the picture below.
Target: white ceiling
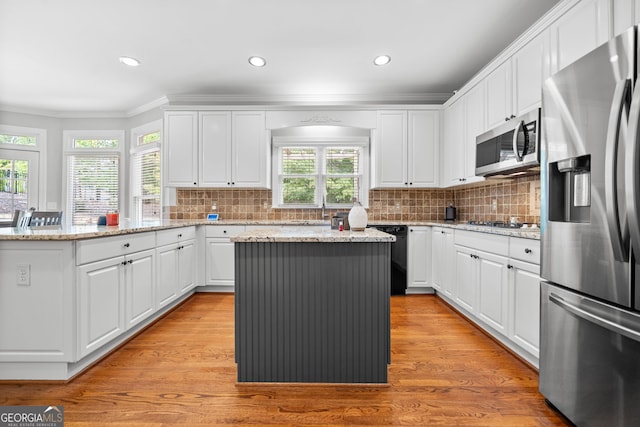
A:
(62, 56)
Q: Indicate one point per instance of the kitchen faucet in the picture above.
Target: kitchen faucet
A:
(324, 214)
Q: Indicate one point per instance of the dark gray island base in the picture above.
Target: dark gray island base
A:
(312, 311)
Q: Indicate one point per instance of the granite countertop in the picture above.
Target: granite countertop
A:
(308, 234)
(79, 232)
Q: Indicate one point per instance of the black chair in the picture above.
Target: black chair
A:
(21, 219)
(45, 218)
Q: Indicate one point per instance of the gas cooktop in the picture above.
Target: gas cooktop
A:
(498, 224)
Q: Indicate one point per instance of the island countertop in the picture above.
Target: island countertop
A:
(312, 234)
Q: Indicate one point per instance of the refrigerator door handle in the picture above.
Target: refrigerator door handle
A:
(594, 318)
(617, 115)
(632, 171)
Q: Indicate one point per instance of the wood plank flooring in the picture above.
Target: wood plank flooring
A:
(181, 371)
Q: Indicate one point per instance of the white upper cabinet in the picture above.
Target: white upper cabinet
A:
(515, 87)
(391, 150)
(406, 149)
(250, 150)
(453, 144)
(216, 149)
(476, 123)
(499, 95)
(579, 31)
(423, 138)
(181, 148)
(529, 69)
(463, 121)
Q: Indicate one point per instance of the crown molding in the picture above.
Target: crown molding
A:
(307, 100)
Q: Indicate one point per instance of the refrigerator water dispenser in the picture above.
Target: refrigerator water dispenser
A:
(570, 190)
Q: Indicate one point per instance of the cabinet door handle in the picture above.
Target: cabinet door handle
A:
(195, 183)
(179, 236)
(130, 261)
(509, 266)
(124, 263)
(527, 251)
(512, 117)
(126, 245)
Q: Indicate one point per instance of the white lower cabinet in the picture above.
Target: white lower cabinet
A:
(481, 285)
(139, 282)
(419, 252)
(115, 294)
(176, 264)
(220, 256)
(524, 287)
(442, 257)
(101, 297)
(495, 283)
(124, 280)
(493, 290)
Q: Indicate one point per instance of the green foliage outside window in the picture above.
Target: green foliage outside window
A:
(95, 143)
(149, 138)
(298, 191)
(300, 175)
(17, 140)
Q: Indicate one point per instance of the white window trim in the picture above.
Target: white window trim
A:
(319, 142)
(40, 148)
(68, 136)
(155, 126)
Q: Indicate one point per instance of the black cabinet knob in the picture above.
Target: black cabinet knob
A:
(509, 266)
(130, 261)
(527, 251)
(126, 245)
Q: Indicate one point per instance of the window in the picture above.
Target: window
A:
(330, 172)
(145, 173)
(94, 174)
(20, 151)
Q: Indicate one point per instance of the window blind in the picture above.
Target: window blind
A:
(145, 188)
(93, 186)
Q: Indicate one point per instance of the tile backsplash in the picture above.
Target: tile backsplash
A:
(486, 201)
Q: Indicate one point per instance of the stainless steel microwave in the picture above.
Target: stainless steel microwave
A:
(510, 149)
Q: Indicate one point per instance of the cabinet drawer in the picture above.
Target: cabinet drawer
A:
(175, 235)
(109, 247)
(525, 250)
(483, 241)
(225, 231)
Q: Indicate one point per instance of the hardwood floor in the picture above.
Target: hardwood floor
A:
(181, 371)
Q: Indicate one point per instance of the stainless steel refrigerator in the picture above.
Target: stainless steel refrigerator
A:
(590, 235)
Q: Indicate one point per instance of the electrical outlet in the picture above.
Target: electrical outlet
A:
(494, 205)
(23, 275)
(214, 206)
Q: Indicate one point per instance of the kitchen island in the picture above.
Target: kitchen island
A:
(312, 305)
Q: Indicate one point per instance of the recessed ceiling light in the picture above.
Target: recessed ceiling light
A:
(131, 62)
(382, 60)
(257, 61)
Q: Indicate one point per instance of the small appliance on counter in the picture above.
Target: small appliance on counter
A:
(113, 218)
(340, 217)
(450, 213)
